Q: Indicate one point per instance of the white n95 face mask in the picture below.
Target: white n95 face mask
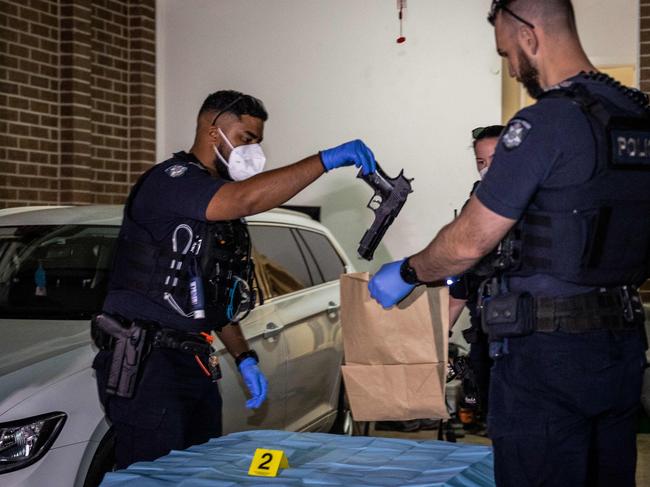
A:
(244, 162)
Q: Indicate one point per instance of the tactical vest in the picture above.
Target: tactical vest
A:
(596, 233)
(217, 254)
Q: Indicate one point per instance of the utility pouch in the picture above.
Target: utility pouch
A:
(508, 315)
(130, 348)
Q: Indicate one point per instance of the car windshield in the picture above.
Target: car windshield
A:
(54, 271)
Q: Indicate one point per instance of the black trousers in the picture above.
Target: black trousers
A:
(479, 358)
(481, 363)
(563, 409)
(175, 406)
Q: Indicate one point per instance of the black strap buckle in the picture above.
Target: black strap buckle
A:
(191, 343)
(195, 348)
(626, 301)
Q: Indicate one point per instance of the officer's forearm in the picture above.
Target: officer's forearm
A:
(233, 338)
(264, 191)
(459, 245)
(446, 255)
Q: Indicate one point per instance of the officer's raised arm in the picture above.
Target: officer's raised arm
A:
(273, 188)
(227, 144)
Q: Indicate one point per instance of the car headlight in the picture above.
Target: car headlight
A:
(25, 441)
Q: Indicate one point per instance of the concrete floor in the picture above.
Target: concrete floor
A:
(643, 445)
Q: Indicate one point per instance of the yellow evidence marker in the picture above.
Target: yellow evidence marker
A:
(267, 463)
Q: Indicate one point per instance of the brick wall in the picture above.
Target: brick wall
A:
(76, 98)
(644, 61)
(644, 83)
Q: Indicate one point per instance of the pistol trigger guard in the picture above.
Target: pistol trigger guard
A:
(375, 202)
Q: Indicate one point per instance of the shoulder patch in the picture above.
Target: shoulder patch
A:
(176, 170)
(515, 133)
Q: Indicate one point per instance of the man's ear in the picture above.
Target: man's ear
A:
(528, 40)
(214, 134)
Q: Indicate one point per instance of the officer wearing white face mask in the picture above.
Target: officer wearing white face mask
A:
(183, 268)
(485, 142)
(244, 161)
(464, 290)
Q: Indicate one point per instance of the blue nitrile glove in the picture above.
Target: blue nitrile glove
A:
(387, 286)
(255, 382)
(351, 153)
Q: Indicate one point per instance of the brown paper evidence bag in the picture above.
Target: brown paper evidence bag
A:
(396, 359)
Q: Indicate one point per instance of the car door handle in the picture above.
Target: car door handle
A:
(332, 309)
(272, 330)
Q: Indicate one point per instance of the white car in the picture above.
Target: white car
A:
(54, 264)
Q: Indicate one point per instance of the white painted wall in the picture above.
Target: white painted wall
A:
(330, 70)
(609, 30)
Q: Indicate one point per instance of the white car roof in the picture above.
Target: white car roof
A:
(112, 215)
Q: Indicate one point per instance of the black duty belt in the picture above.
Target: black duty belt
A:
(131, 343)
(617, 308)
(157, 337)
(193, 343)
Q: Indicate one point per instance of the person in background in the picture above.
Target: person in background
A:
(463, 292)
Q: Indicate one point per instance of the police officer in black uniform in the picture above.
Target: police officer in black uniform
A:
(464, 292)
(182, 269)
(569, 186)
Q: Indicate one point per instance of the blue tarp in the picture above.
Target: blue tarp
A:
(316, 460)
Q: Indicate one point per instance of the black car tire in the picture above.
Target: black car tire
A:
(103, 461)
(344, 424)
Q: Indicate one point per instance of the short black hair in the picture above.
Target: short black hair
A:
(486, 132)
(230, 101)
(554, 14)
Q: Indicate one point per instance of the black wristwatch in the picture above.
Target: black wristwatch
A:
(244, 355)
(408, 273)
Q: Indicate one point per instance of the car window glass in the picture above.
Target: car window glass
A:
(49, 272)
(280, 264)
(327, 258)
(314, 271)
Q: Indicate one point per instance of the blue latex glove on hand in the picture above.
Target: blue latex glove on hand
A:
(255, 382)
(351, 153)
(387, 286)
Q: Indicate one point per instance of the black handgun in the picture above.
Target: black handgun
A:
(390, 195)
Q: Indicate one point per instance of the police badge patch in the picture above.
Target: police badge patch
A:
(515, 133)
(175, 171)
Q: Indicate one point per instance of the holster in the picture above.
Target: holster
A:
(130, 345)
(508, 315)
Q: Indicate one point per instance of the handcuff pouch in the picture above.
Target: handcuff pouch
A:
(508, 315)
